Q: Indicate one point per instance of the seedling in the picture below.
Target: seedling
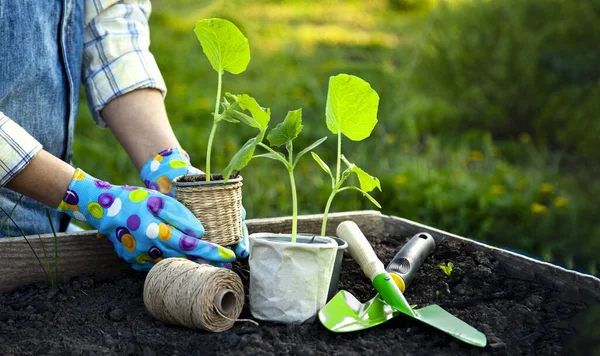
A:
(227, 49)
(285, 133)
(447, 269)
(51, 278)
(351, 110)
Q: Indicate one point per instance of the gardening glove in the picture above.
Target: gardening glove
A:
(143, 226)
(159, 172)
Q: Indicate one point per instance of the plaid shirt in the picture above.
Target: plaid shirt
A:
(116, 60)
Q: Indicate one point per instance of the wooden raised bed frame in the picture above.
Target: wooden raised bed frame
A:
(85, 253)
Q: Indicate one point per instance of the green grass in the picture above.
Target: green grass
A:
(466, 183)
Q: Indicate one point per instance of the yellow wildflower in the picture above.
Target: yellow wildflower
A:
(560, 202)
(524, 137)
(297, 93)
(538, 208)
(475, 156)
(229, 146)
(546, 188)
(390, 138)
(497, 189)
(521, 184)
(401, 179)
(201, 103)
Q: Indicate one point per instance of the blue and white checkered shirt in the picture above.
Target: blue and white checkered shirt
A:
(116, 60)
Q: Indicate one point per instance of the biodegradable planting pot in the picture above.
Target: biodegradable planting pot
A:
(337, 267)
(217, 205)
(290, 281)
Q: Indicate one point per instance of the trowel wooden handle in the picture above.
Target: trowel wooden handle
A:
(360, 249)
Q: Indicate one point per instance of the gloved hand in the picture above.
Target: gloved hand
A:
(142, 225)
(159, 171)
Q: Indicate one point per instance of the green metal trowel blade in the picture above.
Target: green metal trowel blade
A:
(432, 315)
(440, 319)
(344, 313)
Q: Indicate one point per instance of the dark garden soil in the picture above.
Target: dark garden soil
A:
(519, 318)
(202, 177)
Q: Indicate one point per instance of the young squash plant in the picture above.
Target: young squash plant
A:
(284, 134)
(227, 49)
(351, 111)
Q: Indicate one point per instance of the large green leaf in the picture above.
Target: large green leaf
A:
(224, 45)
(243, 156)
(351, 107)
(287, 130)
(261, 116)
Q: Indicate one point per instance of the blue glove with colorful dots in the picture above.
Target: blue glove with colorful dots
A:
(143, 226)
(159, 171)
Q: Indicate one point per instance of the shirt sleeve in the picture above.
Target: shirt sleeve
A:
(17, 149)
(116, 57)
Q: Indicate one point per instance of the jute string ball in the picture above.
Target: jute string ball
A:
(198, 296)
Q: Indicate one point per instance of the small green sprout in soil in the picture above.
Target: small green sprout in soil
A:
(447, 269)
(284, 134)
(351, 110)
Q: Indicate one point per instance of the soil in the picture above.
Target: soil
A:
(202, 177)
(518, 317)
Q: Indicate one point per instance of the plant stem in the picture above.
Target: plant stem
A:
(46, 258)
(294, 205)
(339, 155)
(28, 243)
(55, 245)
(214, 127)
(324, 226)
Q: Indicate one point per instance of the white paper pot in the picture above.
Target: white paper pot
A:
(289, 282)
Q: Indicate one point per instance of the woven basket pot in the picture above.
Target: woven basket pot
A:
(217, 205)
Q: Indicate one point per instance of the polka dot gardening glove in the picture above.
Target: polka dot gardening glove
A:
(143, 226)
(159, 172)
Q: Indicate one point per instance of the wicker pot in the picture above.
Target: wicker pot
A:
(217, 205)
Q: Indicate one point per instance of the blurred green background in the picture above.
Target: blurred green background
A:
(488, 118)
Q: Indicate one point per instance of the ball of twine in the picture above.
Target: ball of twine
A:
(198, 296)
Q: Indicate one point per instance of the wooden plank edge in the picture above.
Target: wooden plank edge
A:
(84, 253)
(570, 283)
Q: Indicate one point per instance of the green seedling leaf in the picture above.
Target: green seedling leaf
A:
(231, 119)
(278, 157)
(243, 156)
(447, 269)
(260, 116)
(224, 45)
(309, 148)
(287, 130)
(322, 163)
(365, 194)
(351, 107)
(367, 181)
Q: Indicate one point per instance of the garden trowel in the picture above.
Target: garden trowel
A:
(344, 313)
